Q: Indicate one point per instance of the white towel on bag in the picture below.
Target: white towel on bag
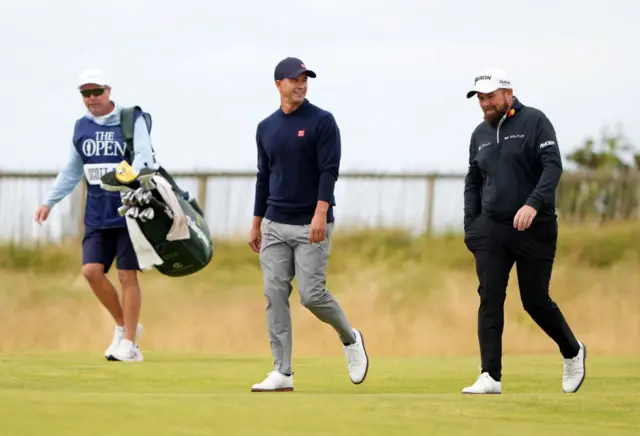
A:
(147, 256)
(180, 229)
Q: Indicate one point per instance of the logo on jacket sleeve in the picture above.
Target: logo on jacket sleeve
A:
(300, 133)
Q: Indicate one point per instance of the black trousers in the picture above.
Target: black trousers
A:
(496, 246)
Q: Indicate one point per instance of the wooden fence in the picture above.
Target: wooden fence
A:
(420, 202)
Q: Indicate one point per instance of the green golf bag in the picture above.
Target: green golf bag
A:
(143, 201)
(180, 257)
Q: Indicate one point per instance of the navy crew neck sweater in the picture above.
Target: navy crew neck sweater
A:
(298, 164)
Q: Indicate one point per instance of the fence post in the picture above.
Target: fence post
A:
(202, 192)
(431, 181)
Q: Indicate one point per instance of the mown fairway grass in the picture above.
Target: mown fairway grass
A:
(177, 394)
(414, 299)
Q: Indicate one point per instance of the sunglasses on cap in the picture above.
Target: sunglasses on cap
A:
(95, 92)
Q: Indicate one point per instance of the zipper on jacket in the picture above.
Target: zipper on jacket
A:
(504, 117)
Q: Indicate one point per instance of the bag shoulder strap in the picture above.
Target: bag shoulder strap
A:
(127, 121)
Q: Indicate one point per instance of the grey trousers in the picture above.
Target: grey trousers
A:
(286, 253)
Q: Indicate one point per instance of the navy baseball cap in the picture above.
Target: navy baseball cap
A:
(290, 68)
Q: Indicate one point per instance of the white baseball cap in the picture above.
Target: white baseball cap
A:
(92, 76)
(489, 81)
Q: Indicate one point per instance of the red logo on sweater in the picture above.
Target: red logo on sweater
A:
(300, 133)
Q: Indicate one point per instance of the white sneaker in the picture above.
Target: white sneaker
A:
(118, 335)
(574, 371)
(275, 382)
(485, 384)
(127, 351)
(357, 359)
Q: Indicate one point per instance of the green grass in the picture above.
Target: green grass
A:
(411, 296)
(590, 246)
(75, 394)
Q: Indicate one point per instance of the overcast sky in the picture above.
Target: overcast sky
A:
(394, 73)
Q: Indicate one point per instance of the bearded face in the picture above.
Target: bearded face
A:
(495, 104)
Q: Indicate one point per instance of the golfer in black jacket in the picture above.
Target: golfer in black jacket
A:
(509, 217)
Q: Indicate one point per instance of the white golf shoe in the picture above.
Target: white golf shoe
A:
(357, 359)
(118, 335)
(127, 351)
(574, 371)
(485, 384)
(275, 382)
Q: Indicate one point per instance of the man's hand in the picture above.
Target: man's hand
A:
(255, 236)
(318, 229)
(524, 217)
(255, 239)
(41, 214)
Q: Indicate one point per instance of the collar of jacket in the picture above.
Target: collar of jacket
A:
(515, 107)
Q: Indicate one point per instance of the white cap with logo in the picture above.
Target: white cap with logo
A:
(92, 76)
(489, 81)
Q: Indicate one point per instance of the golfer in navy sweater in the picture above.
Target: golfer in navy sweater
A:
(298, 163)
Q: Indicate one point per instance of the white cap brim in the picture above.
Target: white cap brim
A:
(487, 88)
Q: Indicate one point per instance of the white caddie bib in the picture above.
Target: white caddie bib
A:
(94, 172)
